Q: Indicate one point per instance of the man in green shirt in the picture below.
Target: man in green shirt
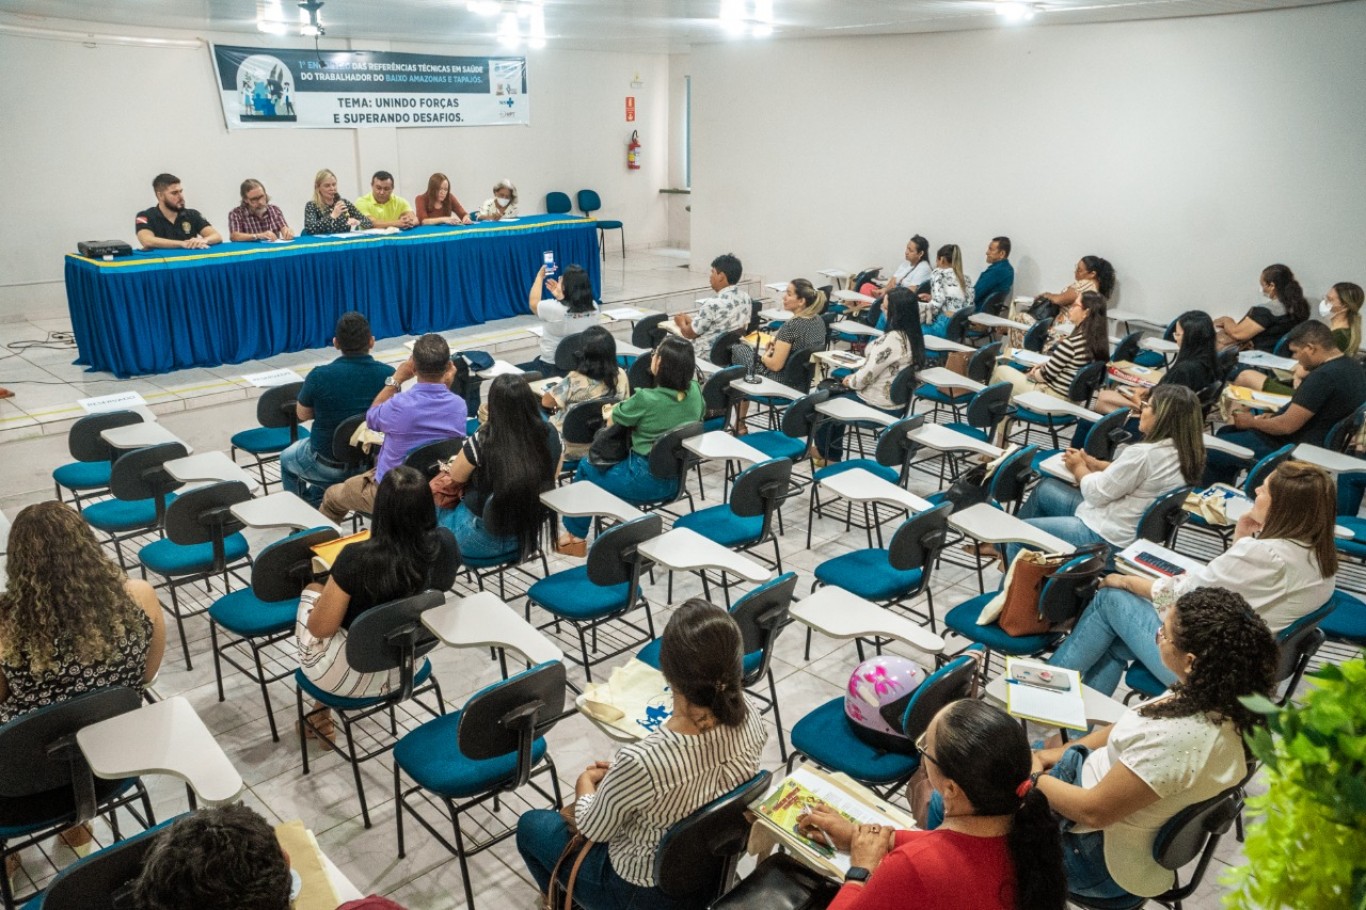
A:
(382, 207)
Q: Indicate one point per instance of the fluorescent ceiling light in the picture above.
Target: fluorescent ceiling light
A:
(1014, 11)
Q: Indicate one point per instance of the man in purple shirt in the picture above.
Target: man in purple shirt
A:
(426, 412)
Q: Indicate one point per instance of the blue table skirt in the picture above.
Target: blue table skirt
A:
(174, 309)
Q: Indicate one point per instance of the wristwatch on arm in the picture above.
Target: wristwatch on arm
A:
(857, 874)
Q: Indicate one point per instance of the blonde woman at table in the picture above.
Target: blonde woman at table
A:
(502, 204)
(1116, 787)
(1283, 562)
(1088, 341)
(327, 212)
(70, 622)
(1110, 497)
(1341, 306)
(438, 205)
(708, 747)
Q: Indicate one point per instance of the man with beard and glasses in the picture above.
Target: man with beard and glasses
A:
(169, 225)
(256, 218)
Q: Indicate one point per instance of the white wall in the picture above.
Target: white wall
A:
(1189, 152)
(88, 128)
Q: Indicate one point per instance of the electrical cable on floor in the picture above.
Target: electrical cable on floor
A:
(55, 341)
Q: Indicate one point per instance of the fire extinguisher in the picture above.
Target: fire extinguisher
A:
(633, 152)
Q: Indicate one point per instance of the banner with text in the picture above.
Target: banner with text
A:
(270, 87)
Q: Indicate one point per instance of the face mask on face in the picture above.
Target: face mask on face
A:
(502, 203)
(1325, 309)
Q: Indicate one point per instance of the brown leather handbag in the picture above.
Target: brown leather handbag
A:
(1029, 573)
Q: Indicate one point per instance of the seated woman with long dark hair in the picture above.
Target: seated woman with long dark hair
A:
(70, 622)
(1116, 787)
(1283, 562)
(509, 461)
(708, 747)
(1088, 341)
(1092, 273)
(991, 820)
(1110, 497)
(1196, 365)
(596, 376)
(1265, 324)
(568, 311)
(675, 400)
(406, 554)
(902, 345)
(1341, 306)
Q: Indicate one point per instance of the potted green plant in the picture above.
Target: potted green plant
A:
(1306, 836)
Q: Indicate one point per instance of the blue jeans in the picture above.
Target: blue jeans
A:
(474, 538)
(542, 836)
(630, 479)
(1117, 627)
(829, 436)
(305, 475)
(1220, 467)
(939, 328)
(1083, 855)
(1351, 486)
(1052, 507)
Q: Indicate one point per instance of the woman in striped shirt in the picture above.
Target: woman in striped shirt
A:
(1088, 341)
(707, 748)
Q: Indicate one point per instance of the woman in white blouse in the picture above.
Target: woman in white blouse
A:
(568, 311)
(1282, 561)
(1116, 787)
(1110, 496)
(884, 359)
(707, 748)
(502, 204)
(950, 291)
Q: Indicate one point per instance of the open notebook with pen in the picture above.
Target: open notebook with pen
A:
(1048, 695)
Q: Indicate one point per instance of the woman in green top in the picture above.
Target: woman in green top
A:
(1341, 306)
(675, 400)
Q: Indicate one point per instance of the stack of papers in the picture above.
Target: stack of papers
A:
(1030, 699)
(1032, 358)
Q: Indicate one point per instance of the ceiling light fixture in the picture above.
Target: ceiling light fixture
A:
(511, 14)
(741, 17)
(1016, 12)
(312, 26)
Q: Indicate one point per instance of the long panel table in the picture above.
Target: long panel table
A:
(164, 310)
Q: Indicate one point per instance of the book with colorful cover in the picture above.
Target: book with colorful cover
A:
(786, 806)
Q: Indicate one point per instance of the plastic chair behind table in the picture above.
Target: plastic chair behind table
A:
(88, 476)
(1127, 349)
(103, 880)
(590, 202)
(429, 456)
(557, 203)
(278, 416)
(647, 334)
(568, 352)
(721, 354)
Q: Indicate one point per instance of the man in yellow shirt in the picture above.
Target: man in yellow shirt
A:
(382, 207)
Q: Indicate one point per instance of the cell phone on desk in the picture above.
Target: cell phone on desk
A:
(1042, 677)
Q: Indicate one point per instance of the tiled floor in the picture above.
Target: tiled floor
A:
(203, 407)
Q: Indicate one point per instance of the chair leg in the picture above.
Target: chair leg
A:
(777, 716)
(355, 769)
(265, 692)
(218, 664)
(180, 624)
(398, 812)
(460, 855)
(303, 725)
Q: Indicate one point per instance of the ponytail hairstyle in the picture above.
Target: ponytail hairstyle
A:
(700, 657)
(954, 256)
(984, 751)
(1351, 297)
(1286, 289)
(1104, 271)
(1095, 330)
(813, 300)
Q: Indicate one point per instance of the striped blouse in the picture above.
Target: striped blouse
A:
(660, 781)
(1065, 360)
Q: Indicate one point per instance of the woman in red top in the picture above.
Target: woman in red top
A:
(998, 847)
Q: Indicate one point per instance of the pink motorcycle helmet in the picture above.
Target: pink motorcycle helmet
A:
(876, 699)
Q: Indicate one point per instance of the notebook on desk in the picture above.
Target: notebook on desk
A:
(1045, 694)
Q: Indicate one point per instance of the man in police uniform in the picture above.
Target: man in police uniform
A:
(168, 225)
